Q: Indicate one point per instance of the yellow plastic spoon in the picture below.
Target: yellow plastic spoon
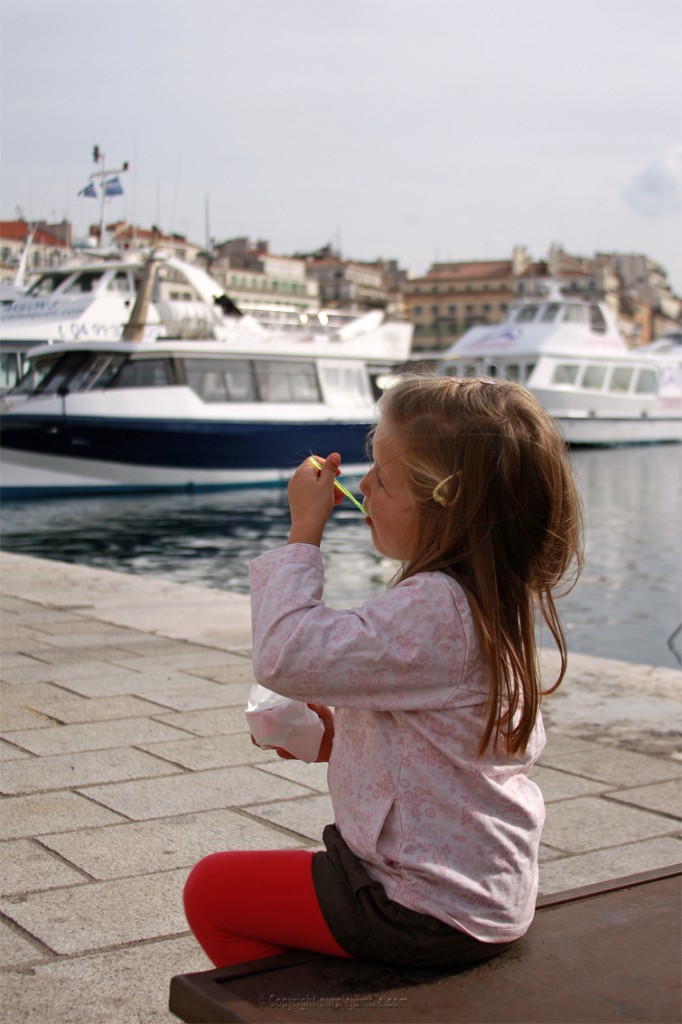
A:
(343, 490)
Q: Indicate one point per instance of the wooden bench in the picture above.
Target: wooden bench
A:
(603, 953)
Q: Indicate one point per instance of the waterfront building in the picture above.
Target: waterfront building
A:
(645, 293)
(131, 238)
(50, 245)
(453, 296)
(258, 282)
(356, 285)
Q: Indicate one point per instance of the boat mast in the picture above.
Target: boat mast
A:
(103, 173)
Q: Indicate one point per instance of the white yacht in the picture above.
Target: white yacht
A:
(103, 416)
(92, 300)
(571, 355)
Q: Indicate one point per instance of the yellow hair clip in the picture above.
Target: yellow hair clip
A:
(438, 497)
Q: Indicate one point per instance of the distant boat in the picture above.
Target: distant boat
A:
(571, 355)
(93, 300)
(10, 291)
(124, 415)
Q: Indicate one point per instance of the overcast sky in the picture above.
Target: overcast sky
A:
(419, 130)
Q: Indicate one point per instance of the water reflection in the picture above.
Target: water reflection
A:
(626, 605)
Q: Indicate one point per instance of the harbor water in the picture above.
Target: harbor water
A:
(627, 604)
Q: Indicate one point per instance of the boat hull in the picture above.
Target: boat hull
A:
(613, 431)
(50, 456)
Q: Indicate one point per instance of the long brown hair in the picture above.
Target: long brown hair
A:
(498, 511)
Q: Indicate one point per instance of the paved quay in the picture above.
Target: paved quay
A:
(125, 757)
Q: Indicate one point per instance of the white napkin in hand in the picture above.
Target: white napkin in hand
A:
(277, 721)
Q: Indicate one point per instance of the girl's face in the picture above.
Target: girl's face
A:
(391, 508)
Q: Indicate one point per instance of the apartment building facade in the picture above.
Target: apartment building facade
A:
(259, 282)
(451, 297)
(50, 245)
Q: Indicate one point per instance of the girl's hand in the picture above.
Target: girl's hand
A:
(312, 496)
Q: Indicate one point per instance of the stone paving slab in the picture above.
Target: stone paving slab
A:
(143, 604)
(143, 676)
(28, 867)
(202, 696)
(142, 848)
(118, 681)
(92, 736)
(8, 752)
(590, 823)
(202, 752)
(44, 814)
(196, 791)
(206, 722)
(14, 948)
(70, 709)
(126, 986)
(18, 718)
(65, 771)
(558, 785)
(41, 672)
(665, 797)
(102, 914)
(571, 872)
(306, 817)
(614, 766)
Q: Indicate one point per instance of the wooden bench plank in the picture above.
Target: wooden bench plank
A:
(606, 953)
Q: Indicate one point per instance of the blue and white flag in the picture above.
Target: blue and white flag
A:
(89, 191)
(112, 187)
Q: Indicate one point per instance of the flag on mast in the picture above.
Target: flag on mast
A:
(112, 187)
(89, 191)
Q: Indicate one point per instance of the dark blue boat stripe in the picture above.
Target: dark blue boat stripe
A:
(180, 444)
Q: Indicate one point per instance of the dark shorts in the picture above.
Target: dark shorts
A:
(370, 926)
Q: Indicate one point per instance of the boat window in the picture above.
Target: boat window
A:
(512, 371)
(574, 314)
(647, 382)
(10, 369)
(144, 373)
(49, 376)
(594, 377)
(46, 284)
(36, 372)
(120, 282)
(287, 381)
(526, 314)
(597, 321)
(549, 313)
(565, 373)
(84, 283)
(221, 380)
(620, 378)
(99, 371)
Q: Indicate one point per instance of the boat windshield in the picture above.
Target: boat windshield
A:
(69, 371)
(84, 282)
(526, 314)
(597, 320)
(574, 313)
(47, 283)
(550, 313)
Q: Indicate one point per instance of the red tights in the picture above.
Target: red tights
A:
(248, 905)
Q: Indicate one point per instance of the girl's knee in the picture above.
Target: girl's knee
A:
(201, 883)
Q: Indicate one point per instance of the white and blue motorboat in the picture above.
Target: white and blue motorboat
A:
(113, 416)
(92, 298)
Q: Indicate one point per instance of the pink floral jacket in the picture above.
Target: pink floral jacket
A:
(446, 832)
